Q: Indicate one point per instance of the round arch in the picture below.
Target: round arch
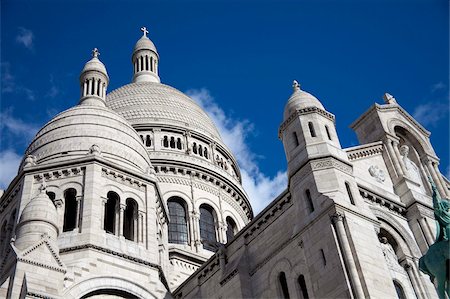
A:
(212, 204)
(416, 140)
(405, 241)
(92, 285)
(175, 193)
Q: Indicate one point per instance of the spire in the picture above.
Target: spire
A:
(94, 81)
(145, 60)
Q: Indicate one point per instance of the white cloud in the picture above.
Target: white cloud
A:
(25, 37)
(430, 113)
(9, 163)
(54, 91)
(438, 86)
(260, 188)
(16, 126)
(9, 83)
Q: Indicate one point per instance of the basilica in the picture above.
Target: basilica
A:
(133, 194)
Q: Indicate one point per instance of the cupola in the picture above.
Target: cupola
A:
(145, 60)
(39, 217)
(300, 100)
(94, 81)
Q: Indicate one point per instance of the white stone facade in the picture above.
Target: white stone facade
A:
(130, 193)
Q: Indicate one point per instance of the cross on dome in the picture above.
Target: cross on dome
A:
(95, 53)
(144, 31)
(295, 85)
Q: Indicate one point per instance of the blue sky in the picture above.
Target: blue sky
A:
(238, 58)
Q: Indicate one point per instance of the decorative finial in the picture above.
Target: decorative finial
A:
(295, 85)
(95, 53)
(43, 187)
(389, 99)
(144, 30)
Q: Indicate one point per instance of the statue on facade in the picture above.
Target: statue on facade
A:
(436, 262)
(411, 167)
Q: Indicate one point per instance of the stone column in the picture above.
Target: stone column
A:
(90, 86)
(104, 200)
(223, 232)
(438, 174)
(399, 157)
(187, 137)
(95, 82)
(197, 239)
(213, 152)
(121, 214)
(85, 88)
(141, 226)
(79, 213)
(412, 277)
(191, 229)
(157, 139)
(393, 156)
(338, 221)
(437, 181)
(428, 237)
(136, 227)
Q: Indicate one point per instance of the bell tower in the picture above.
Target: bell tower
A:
(145, 60)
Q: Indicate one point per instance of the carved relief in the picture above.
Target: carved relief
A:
(377, 173)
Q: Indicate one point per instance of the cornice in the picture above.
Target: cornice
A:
(364, 150)
(307, 110)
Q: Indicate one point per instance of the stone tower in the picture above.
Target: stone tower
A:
(84, 194)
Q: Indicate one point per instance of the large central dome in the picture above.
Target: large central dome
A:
(156, 103)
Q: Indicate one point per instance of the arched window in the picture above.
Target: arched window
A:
(111, 207)
(309, 201)
(70, 210)
(283, 285)
(130, 220)
(172, 142)
(399, 290)
(205, 153)
(349, 192)
(200, 150)
(142, 138)
(51, 195)
(311, 129)
(328, 132)
(194, 148)
(142, 63)
(302, 285)
(207, 226)
(178, 143)
(166, 141)
(231, 229)
(151, 63)
(295, 138)
(178, 232)
(146, 62)
(148, 141)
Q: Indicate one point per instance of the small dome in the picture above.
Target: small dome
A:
(299, 100)
(94, 64)
(144, 43)
(72, 134)
(38, 218)
(40, 208)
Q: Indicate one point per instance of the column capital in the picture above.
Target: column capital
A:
(337, 217)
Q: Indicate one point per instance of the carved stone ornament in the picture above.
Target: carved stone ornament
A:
(151, 170)
(377, 173)
(95, 150)
(30, 160)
